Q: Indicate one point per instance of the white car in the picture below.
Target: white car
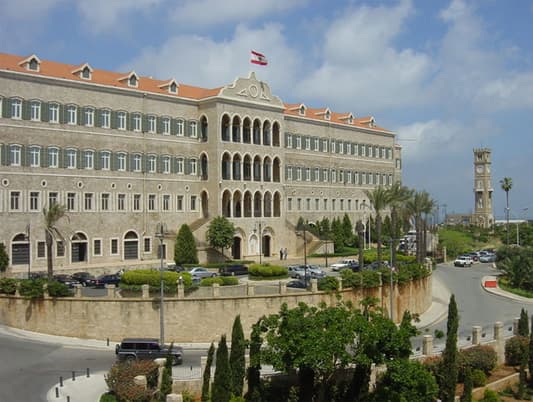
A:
(463, 261)
(201, 272)
(343, 264)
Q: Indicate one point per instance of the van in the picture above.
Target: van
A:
(147, 348)
(232, 270)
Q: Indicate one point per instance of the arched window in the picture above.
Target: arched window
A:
(276, 169)
(224, 128)
(277, 204)
(226, 166)
(257, 204)
(204, 167)
(203, 129)
(267, 175)
(247, 131)
(266, 133)
(247, 204)
(267, 202)
(247, 168)
(275, 135)
(236, 167)
(226, 204)
(257, 168)
(236, 129)
(257, 132)
(237, 204)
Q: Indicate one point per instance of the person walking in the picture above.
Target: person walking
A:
(285, 253)
(281, 253)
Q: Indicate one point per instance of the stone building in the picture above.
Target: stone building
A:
(124, 152)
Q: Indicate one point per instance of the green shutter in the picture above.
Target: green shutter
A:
(80, 115)
(26, 106)
(6, 107)
(114, 119)
(159, 124)
(144, 120)
(4, 155)
(44, 111)
(173, 127)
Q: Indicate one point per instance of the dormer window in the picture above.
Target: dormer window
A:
(132, 79)
(327, 115)
(32, 63)
(132, 82)
(86, 73)
(302, 110)
(350, 120)
(173, 88)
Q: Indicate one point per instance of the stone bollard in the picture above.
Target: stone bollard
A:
(282, 288)
(110, 291)
(250, 289)
(314, 285)
(140, 380)
(515, 326)
(46, 295)
(174, 398)
(339, 280)
(444, 253)
(17, 289)
(427, 345)
(77, 292)
(476, 335)
(160, 361)
(180, 288)
(500, 341)
(146, 291)
(216, 290)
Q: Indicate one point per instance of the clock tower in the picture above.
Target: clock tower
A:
(483, 215)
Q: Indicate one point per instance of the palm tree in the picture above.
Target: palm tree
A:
(379, 199)
(397, 195)
(418, 204)
(506, 184)
(360, 229)
(428, 204)
(52, 215)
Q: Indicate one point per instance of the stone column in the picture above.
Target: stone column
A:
(140, 379)
(314, 285)
(216, 290)
(77, 291)
(282, 288)
(515, 326)
(110, 291)
(146, 291)
(250, 289)
(181, 289)
(427, 345)
(500, 341)
(444, 253)
(476, 335)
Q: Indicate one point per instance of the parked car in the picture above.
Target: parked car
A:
(374, 266)
(147, 348)
(297, 284)
(474, 255)
(463, 261)
(67, 280)
(108, 279)
(85, 278)
(235, 269)
(487, 258)
(201, 272)
(342, 264)
(174, 268)
(296, 271)
(315, 272)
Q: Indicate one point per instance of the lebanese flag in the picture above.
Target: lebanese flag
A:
(258, 58)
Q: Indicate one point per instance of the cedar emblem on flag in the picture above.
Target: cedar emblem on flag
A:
(258, 58)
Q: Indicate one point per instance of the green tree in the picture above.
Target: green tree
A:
(403, 381)
(379, 199)
(254, 371)
(166, 381)
(185, 247)
(467, 390)
(236, 357)
(347, 230)
(220, 233)
(206, 380)
(530, 354)
(4, 258)
(221, 391)
(506, 184)
(360, 229)
(419, 204)
(337, 235)
(52, 216)
(523, 323)
(449, 368)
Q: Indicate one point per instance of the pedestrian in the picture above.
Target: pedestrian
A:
(285, 252)
(281, 253)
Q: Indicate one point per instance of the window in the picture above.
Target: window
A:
(152, 124)
(137, 162)
(193, 203)
(333, 204)
(53, 198)
(308, 204)
(324, 145)
(136, 202)
(333, 147)
(299, 204)
(16, 151)
(298, 142)
(166, 125)
(325, 204)
(121, 202)
(342, 205)
(151, 202)
(121, 161)
(180, 128)
(166, 202)
(89, 116)
(349, 204)
(333, 176)
(72, 115)
(14, 201)
(137, 122)
(16, 108)
(341, 176)
(349, 177)
(88, 205)
(106, 119)
(289, 204)
(104, 202)
(60, 248)
(193, 166)
(317, 204)
(348, 148)
(179, 203)
(97, 247)
(341, 147)
(179, 166)
(35, 110)
(114, 246)
(289, 141)
(121, 120)
(166, 164)
(316, 144)
(71, 159)
(53, 157)
(71, 201)
(35, 156)
(34, 201)
(86, 73)
(147, 245)
(41, 249)
(53, 113)
(88, 159)
(307, 174)
(105, 160)
(325, 175)
(194, 129)
(307, 143)
(152, 162)
(299, 174)
(317, 174)
(289, 173)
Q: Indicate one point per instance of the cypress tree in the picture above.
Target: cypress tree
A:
(347, 229)
(221, 391)
(448, 378)
(253, 373)
(207, 374)
(4, 258)
(530, 354)
(523, 324)
(236, 357)
(467, 391)
(185, 247)
(166, 381)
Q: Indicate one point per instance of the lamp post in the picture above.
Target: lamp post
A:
(260, 241)
(160, 234)
(303, 228)
(391, 280)
(28, 227)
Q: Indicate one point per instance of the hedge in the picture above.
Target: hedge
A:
(328, 283)
(139, 277)
(267, 271)
(8, 286)
(221, 280)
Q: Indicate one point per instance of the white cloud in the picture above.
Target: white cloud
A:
(210, 12)
(24, 10)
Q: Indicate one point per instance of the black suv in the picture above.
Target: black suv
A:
(236, 269)
(147, 348)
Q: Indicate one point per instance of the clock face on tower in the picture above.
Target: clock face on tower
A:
(479, 169)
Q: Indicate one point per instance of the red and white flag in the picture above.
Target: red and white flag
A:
(258, 58)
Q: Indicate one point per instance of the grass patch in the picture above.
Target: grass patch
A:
(504, 284)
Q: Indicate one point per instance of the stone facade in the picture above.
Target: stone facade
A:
(125, 153)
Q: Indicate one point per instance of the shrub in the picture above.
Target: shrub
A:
(32, 289)
(58, 289)
(108, 397)
(479, 378)
(8, 286)
(152, 277)
(478, 357)
(121, 375)
(370, 279)
(514, 348)
(267, 271)
(351, 279)
(221, 280)
(490, 396)
(329, 283)
(4, 258)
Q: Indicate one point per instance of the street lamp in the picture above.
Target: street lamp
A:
(304, 227)
(260, 241)
(160, 234)
(28, 227)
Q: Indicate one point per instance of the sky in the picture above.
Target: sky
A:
(445, 76)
